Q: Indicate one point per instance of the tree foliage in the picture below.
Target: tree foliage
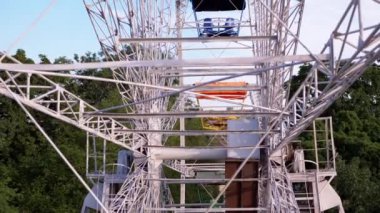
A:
(32, 176)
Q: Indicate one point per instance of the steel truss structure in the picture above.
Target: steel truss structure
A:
(153, 48)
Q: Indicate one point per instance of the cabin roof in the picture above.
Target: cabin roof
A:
(217, 5)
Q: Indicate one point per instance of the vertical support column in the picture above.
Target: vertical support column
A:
(28, 86)
(316, 193)
(316, 83)
(315, 145)
(332, 142)
(265, 185)
(182, 105)
(332, 59)
(182, 144)
(87, 152)
(328, 142)
(154, 164)
(112, 129)
(104, 157)
(58, 100)
(81, 111)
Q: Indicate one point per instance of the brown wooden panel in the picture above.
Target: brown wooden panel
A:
(242, 194)
(233, 191)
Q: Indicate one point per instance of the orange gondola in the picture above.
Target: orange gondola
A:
(226, 94)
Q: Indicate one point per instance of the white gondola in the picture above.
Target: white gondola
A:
(218, 26)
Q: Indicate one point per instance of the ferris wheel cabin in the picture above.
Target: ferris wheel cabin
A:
(211, 26)
(216, 90)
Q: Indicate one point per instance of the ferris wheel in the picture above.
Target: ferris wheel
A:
(228, 65)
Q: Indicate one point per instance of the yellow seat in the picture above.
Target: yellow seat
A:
(216, 123)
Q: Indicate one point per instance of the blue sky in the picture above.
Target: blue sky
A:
(67, 29)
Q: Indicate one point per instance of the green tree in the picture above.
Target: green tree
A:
(7, 194)
(355, 183)
(32, 176)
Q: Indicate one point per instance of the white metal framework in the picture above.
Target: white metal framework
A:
(153, 48)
